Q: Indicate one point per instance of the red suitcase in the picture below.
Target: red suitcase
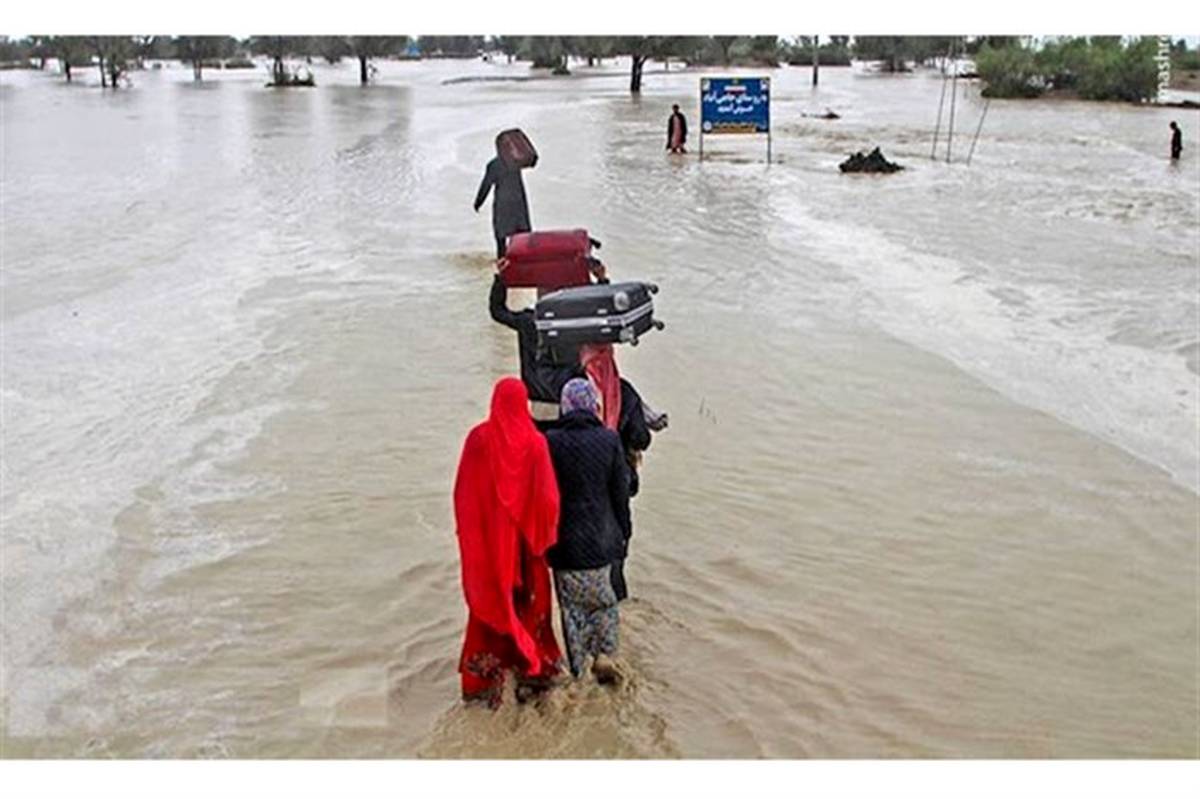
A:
(515, 148)
(547, 259)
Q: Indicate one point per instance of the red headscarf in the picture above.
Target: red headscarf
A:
(601, 368)
(505, 495)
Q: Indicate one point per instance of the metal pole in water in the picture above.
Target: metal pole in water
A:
(938, 126)
(816, 57)
(953, 96)
(977, 129)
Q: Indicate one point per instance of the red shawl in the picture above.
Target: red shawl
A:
(505, 496)
(601, 368)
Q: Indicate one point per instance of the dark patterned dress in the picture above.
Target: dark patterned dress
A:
(589, 614)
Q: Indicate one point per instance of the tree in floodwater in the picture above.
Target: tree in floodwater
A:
(450, 46)
(279, 49)
(640, 49)
(548, 52)
(39, 48)
(1096, 68)
(761, 51)
(593, 48)
(146, 48)
(509, 45)
(725, 44)
(331, 48)
(894, 52)
(113, 54)
(195, 50)
(365, 48)
(11, 51)
(70, 51)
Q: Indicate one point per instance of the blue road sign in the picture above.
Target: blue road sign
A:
(735, 105)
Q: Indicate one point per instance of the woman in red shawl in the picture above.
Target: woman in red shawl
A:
(506, 511)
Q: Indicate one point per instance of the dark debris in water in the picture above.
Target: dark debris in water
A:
(873, 162)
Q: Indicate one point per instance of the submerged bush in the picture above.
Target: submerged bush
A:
(1099, 68)
(1008, 72)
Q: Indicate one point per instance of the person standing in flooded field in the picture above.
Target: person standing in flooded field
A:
(676, 131)
(510, 208)
(1176, 141)
(593, 529)
(506, 507)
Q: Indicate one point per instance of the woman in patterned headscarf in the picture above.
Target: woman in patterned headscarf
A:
(593, 528)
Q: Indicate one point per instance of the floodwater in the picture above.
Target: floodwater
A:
(929, 489)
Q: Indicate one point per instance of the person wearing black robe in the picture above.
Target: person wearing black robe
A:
(676, 131)
(510, 208)
(544, 370)
(1176, 141)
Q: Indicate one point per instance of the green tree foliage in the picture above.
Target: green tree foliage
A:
(976, 43)
(1010, 71)
(641, 49)
(12, 51)
(69, 51)
(1097, 68)
(757, 50)
(893, 52)
(833, 53)
(366, 48)
(548, 52)
(450, 46)
(147, 48)
(196, 50)
(509, 45)
(331, 48)
(593, 48)
(113, 54)
(1183, 59)
(279, 49)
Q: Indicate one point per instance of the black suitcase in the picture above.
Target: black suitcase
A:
(596, 314)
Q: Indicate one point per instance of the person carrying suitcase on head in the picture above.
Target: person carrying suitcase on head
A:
(510, 208)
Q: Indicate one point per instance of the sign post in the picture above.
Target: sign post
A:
(735, 105)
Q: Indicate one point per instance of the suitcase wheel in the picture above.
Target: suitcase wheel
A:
(652, 288)
(659, 325)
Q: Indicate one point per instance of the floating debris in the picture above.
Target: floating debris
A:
(873, 162)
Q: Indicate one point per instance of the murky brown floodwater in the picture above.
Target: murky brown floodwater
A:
(929, 487)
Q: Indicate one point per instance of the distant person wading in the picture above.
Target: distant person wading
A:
(1176, 141)
(676, 131)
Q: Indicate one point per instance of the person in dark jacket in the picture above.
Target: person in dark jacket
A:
(593, 528)
(510, 209)
(1176, 141)
(676, 131)
(544, 370)
(635, 439)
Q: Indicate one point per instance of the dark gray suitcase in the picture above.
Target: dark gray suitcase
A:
(596, 314)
